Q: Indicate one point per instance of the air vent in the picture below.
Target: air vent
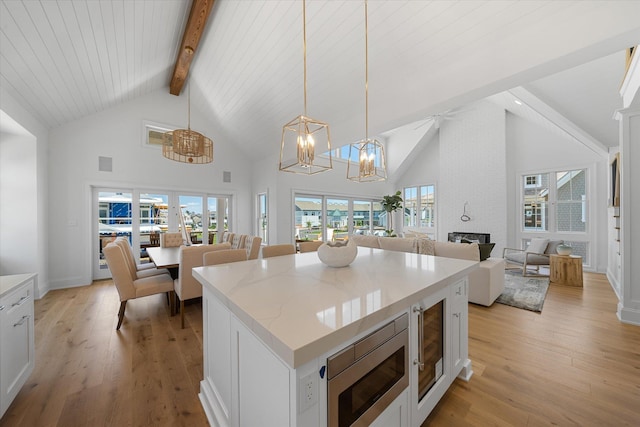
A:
(105, 164)
(226, 176)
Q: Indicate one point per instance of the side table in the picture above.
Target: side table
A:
(565, 270)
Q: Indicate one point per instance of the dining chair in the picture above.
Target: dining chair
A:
(223, 257)
(129, 287)
(278, 250)
(237, 242)
(227, 236)
(252, 246)
(154, 239)
(170, 240)
(138, 270)
(186, 286)
(310, 246)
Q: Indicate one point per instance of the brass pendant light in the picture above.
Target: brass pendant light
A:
(366, 157)
(306, 142)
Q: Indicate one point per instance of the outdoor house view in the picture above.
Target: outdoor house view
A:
(298, 213)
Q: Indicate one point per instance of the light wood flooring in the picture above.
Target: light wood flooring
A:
(573, 365)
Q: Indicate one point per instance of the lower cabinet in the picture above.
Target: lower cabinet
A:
(16, 335)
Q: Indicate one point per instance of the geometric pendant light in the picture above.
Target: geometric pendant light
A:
(306, 143)
(366, 157)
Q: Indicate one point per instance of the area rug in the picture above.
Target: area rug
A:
(524, 292)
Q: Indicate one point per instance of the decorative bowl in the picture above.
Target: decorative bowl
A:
(564, 250)
(338, 254)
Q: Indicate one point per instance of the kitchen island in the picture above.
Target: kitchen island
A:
(270, 324)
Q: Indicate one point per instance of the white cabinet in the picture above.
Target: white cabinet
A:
(16, 335)
(244, 383)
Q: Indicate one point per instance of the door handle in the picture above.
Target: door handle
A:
(420, 360)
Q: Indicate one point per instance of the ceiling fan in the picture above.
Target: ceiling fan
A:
(439, 118)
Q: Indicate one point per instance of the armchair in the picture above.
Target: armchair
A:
(531, 259)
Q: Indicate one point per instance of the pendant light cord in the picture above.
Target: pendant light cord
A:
(304, 51)
(189, 106)
(366, 71)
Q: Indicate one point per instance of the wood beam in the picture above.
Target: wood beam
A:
(200, 10)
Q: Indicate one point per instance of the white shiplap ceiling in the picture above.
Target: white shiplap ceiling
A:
(66, 59)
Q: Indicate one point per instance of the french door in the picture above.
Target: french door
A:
(141, 216)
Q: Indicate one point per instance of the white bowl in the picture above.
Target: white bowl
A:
(564, 250)
(338, 256)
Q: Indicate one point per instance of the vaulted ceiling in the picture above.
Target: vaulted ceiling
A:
(66, 59)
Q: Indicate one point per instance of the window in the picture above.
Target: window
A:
(419, 206)
(556, 204)
(153, 133)
(263, 222)
(327, 218)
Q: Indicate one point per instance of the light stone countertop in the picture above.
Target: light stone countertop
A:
(9, 282)
(302, 308)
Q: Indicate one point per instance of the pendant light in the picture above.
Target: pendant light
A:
(366, 157)
(306, 142)
(186, 145)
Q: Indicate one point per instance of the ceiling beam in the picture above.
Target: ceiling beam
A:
(200, 10)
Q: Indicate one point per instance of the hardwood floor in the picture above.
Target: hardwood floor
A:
(573, 364)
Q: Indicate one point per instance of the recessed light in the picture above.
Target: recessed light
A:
(517, 101)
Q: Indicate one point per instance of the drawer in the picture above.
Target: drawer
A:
(21, 296)
(459, 290)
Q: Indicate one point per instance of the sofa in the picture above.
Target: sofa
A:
(486, 283)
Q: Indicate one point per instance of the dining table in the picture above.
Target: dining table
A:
(168, 258)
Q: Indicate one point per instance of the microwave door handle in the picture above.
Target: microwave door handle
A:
(420, 360)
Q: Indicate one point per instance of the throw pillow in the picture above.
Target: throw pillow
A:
(485, 250)
(552, 246)
(537, 245)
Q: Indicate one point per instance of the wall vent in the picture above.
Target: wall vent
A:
(226, 176)
(105, 164)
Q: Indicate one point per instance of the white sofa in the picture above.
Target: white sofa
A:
(486, 283)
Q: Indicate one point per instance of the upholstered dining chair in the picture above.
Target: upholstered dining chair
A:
(227, 236)
(129, 286)
(170, 240)
(252, 245)
(223, 257)
(310, 246)
(138, 270)
(186, 286)
(278, 250)
(237, 241)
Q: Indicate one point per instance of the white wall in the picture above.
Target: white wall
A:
(35, 204)
(466, 162)
(473, 171)
(18, 203)
(117, 133)
(531, 148)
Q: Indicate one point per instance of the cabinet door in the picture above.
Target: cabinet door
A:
(16, 335)
(459, 327)
(263, 383)
(429, 348)
(217, 348)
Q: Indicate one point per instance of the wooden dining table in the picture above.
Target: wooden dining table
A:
(168, 258)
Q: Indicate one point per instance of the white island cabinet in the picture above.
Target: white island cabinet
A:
(270, 326)
(17, 347)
